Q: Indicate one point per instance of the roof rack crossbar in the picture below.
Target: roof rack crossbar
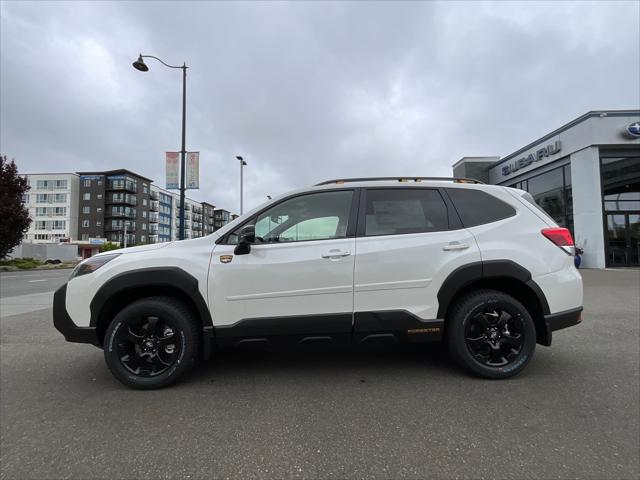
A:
(400, 179)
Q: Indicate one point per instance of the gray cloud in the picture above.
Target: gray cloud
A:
(304, 91)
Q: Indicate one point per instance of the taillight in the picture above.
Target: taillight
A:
(561, 237)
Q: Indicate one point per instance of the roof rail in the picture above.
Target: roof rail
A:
(400, 179)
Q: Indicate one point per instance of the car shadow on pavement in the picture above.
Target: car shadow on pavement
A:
(330, 361)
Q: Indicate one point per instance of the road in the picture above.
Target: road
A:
(384, 413)
(29, 291)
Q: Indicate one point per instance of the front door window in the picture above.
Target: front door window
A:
(316, 216)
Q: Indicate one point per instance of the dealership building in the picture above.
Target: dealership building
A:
(586, 176)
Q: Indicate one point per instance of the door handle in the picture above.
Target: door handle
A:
(455, 246)
(335, 253)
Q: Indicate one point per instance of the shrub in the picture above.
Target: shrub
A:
(22, 263)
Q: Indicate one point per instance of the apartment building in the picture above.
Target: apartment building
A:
(199, 217)
(208, 214)
(220, 218)
(164, 215)
(52, 202)
(196, 220)
(119, 206)
(114, 205)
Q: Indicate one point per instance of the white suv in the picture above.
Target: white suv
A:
(345, 262)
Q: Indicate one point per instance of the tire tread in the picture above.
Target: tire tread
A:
(455, 338)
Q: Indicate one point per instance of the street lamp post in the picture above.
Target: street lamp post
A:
(140, 65)
(242, 164)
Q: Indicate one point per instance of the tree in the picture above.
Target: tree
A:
(14, 217)
(107, 247)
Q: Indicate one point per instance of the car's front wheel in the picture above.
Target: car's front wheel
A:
(491, 334)
(151, 343)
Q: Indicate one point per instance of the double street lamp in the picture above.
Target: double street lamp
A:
(140, 65)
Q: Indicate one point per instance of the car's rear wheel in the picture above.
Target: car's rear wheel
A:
(491, 334)
(151, 343)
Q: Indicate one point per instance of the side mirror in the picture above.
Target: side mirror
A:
(246, 237)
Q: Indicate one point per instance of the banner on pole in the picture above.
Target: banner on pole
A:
(172, 171)
(193, 170)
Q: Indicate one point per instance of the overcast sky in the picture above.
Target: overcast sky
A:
(304, 91)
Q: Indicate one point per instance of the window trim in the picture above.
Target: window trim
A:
(351, 223)
(453, 221)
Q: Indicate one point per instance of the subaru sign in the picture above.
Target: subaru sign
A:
(536, 156)
(633, 130)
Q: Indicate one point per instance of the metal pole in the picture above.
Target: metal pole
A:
(183, 151)
(241, 164)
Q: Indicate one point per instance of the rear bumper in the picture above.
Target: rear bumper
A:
(63, 323)
(560, 320)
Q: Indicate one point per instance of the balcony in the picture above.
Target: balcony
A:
(153, 238)
(119, 238)
(52, 199)
(119, 228)
(116, 213)
(154, 206)
(122, 186)
(154, 218)
(122, 199)
(153, 229)
(153, 195)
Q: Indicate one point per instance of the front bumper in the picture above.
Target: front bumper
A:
(560, 320)
(63, 323)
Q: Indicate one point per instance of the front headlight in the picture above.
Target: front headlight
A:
(90, 265)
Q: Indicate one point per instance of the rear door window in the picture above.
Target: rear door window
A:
(404, 210)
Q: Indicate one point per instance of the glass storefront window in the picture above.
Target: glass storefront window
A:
(546, 182)
(621, 183)
(553, 203)
(552, 192)
(621, 200)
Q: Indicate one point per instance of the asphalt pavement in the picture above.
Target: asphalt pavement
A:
(383, 413)
(29, 291)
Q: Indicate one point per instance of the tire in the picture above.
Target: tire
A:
(491, 334)
(151, 343)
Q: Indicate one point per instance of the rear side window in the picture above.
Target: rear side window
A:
(404, 210)
(527, 196)
(476, 207)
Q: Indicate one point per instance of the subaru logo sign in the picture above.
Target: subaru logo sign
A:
(540, 154)
(633, 130)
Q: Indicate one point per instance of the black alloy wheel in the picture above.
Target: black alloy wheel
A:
(151, 343)
(495, 338)
(148, 347)
(491, 334)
